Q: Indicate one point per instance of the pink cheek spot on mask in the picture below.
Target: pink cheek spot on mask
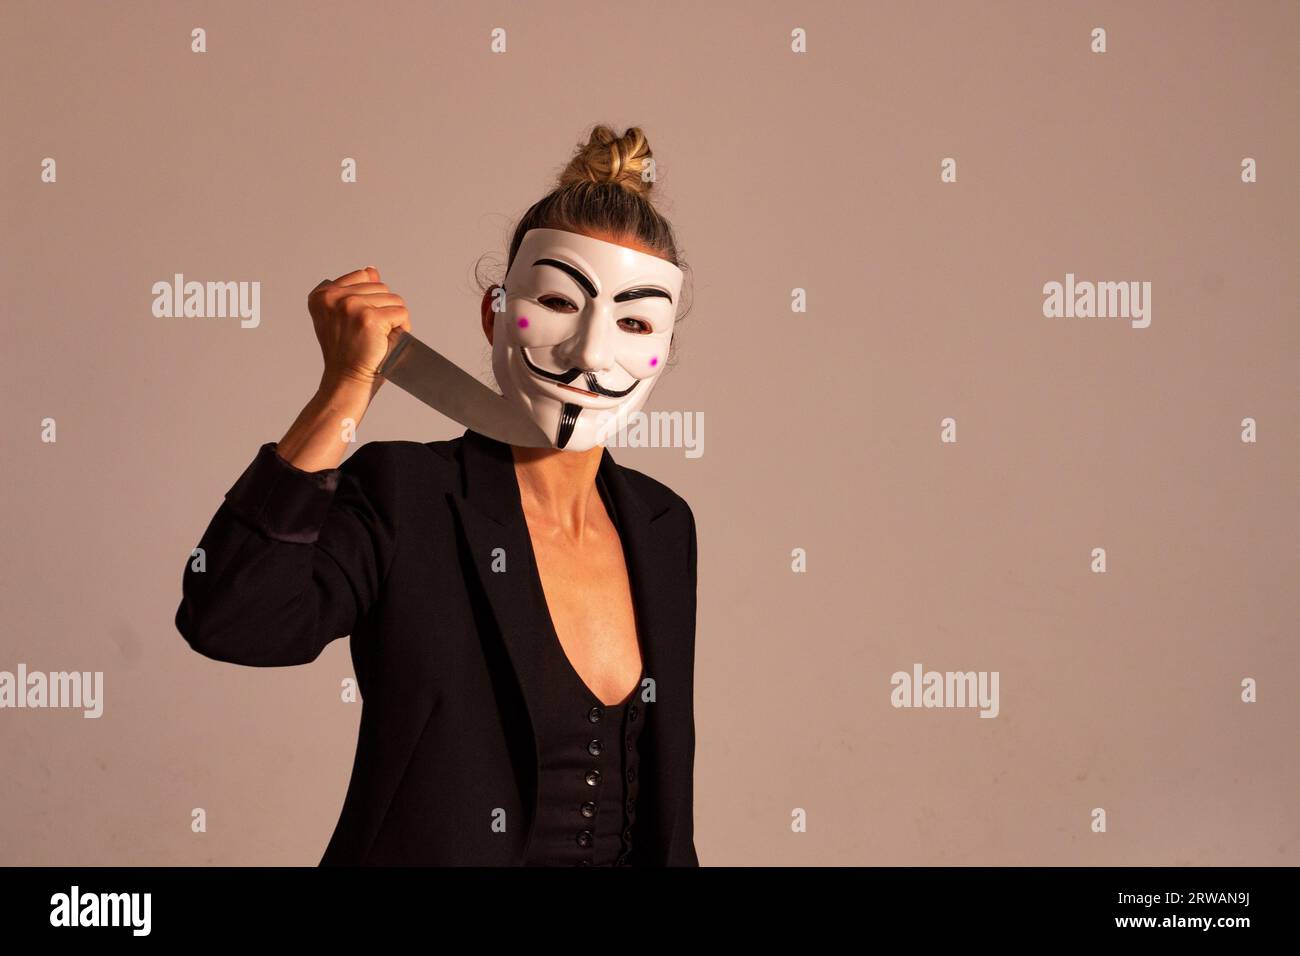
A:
(523, 322)
(654, 361)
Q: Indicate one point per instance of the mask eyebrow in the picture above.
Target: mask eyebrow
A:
(642, 293)
(578, 276)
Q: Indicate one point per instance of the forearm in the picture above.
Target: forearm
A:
(319, 438)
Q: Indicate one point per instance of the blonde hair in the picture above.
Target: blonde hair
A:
(607, 157)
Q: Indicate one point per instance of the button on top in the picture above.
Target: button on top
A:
(583, 800)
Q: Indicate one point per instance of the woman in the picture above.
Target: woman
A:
(522, 620)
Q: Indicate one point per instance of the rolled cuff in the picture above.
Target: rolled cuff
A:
(283, 501)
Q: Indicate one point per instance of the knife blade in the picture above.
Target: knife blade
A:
(446, 387)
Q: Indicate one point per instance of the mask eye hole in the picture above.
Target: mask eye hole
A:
(557, 303)
(639, 326)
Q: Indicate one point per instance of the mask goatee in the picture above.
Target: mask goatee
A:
(568, 418)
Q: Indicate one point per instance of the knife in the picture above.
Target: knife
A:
(446, 387)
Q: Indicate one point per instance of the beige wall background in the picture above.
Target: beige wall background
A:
(818, 171)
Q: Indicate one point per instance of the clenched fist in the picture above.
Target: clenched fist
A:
(357, 318)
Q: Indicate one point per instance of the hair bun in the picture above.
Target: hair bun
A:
(607, 157)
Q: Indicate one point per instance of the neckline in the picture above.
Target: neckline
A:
(554, 635)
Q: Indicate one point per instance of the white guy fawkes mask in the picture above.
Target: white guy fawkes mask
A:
(588, 314)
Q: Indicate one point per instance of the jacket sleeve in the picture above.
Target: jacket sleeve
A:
(291, 560)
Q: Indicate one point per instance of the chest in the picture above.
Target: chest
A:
(589, 597)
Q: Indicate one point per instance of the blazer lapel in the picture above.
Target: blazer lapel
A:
(496, 530)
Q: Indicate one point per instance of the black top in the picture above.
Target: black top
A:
(413, 549)
(588, 784)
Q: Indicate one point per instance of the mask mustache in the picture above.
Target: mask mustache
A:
(567, 378)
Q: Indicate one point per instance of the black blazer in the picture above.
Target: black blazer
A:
(396, 547)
